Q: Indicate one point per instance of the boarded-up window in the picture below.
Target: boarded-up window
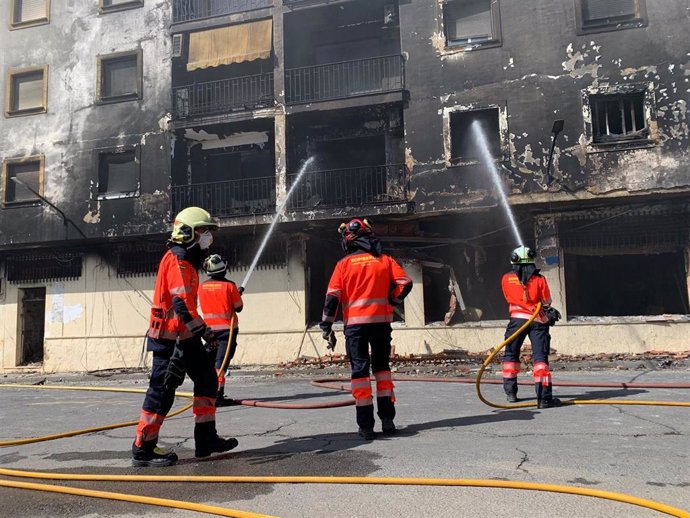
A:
(120, 77)
(118, 173)
(471, 22)
(21, 177)
(597, 15)
(29, 11)
(228, 45)
(27, 92)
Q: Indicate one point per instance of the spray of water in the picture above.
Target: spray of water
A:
(278, 213)
(483, 145)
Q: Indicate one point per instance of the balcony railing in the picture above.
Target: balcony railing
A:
(188, 10)
(371, 185)
(229, 198)
(223, 96)
(346, 79)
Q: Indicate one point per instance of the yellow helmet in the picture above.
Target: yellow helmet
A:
(187, 221)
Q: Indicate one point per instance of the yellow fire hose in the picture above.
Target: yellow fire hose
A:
(495, 350)
(219, 511)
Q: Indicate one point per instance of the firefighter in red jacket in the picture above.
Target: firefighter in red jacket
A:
(220, 300)
(174, 337)
(523, 289)
(367, 284)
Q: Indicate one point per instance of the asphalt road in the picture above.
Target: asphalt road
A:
(445, 432)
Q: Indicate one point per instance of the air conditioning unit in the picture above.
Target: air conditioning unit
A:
(177, 41)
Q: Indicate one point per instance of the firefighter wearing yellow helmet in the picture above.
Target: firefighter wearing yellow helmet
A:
(175, 339)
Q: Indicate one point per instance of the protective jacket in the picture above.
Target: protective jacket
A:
(220, 300)
(174, 313)
(366, 285)
(523, 298)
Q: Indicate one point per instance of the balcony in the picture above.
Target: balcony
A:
(357, 186)
(346, 79)
(223, 96)
(228, 199)
(190, 10)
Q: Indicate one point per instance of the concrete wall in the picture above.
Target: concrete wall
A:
(75, 125)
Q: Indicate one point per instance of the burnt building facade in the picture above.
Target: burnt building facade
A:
(418, 115)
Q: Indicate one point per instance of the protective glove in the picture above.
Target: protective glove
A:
(209, 336)
(175, 373)
(330, 337)
(241, 289)
(552, 314)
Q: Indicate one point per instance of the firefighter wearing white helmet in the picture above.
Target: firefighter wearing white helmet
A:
(175, 339)
(220, 300)
(523, 288)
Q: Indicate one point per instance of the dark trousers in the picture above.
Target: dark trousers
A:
(159, 399)
(541, 344)
(225, 338)
(358, 340)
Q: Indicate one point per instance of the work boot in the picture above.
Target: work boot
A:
(512, 397)
(152, 457)
(367, 434)
(215, 445)
(549, 403)
(388, 426)
(222, 401)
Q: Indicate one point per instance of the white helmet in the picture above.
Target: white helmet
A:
(215, 264)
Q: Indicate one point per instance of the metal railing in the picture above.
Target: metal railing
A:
(188, 10)
(346, 79)
(371, 185)
(223, 96)
(229, 198)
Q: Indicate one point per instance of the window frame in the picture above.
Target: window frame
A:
(131, 4)
(29, 23)
(12, 73)
(112, 195)
(101, 62)
(641, 20)
(502, 110)
(6, 166)
(649, 115)
(459, 45)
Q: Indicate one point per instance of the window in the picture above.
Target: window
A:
(120, 77)
(20, 177)
(609, 15)
(118, 174)
(464, 144)
(28, 91)
(119, 5)
(27, 13)
(472, 23)
(618, 118)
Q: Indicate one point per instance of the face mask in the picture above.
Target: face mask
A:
(205, 240)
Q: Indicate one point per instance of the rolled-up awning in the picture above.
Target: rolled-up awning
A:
(233, 44)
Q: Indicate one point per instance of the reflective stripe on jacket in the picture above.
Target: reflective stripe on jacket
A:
(522, 300)
(176, 278)
(219, 300)
(364, 285)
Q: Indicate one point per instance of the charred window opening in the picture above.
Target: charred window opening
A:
(61, 266)
(27, 13)
(119, 77)
(472, 23)
(21, 176)
(32, 303)
(626, 285)
(138, 260)
(618, 118)
(27, 93)
(464, 147)
(118, 174)
(607, 15)
(187, 10)
(240, 252)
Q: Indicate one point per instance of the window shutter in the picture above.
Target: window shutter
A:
(604, 9)
(469, 19)
(120, 77)
(27, 10)
(177, 46)
(28, 91)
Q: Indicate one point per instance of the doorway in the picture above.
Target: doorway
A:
(32, 313)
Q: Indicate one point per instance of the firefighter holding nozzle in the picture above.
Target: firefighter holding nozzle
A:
(367, 284)
(175, 339)
(523, 288)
